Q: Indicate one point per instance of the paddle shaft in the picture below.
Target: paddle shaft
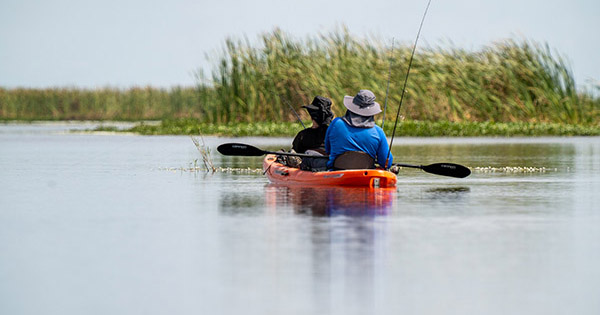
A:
(408, 165)
(297, 154)
(241, 149)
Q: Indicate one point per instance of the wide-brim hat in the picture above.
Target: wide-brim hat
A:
(363, 103)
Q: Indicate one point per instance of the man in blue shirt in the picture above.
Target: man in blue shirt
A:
(356, 131)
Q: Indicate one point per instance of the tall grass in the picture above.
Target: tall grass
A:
(103, 104)
(507, 81)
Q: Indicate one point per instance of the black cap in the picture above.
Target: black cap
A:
(319, 103)
(320, 110)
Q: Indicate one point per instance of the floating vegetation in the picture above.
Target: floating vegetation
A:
(486, 169)
(232, 170)
(513, 169)
(191, 126)
(406, 128)
(236, 170)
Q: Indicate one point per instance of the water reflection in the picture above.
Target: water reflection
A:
(331, 201)
(448, 193)
(346, 247)
(448, 190)
(241, 204)
(333, 238)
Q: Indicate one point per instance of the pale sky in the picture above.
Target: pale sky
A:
(124, 43)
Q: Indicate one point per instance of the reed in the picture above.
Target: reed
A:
(507, 81)
(204, 153)
(103, 104)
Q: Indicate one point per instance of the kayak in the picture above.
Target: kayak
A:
(279, 173)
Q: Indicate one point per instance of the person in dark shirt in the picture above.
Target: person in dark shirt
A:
(311, 140)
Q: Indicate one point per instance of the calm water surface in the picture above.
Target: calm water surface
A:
(115, 224)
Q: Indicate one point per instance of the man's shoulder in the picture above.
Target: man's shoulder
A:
(380, 134)
(338, 121)
(378, 129)
(337, 124)
(335, 121)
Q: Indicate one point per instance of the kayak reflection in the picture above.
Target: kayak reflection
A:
(330, 201)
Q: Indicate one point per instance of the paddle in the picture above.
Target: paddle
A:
(444, 169)
(240, 149)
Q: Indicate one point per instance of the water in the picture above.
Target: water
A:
(117, 224)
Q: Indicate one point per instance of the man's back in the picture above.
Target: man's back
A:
(342, 137)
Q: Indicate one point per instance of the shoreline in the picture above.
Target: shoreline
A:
(407, 128)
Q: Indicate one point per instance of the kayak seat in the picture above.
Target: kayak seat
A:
(352, 160)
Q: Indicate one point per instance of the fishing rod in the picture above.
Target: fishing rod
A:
(405, 81)
(295, 112)
(387, 89)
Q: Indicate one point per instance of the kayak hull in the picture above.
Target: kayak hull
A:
(279, 173)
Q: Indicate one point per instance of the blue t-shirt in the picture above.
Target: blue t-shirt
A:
(341, 137)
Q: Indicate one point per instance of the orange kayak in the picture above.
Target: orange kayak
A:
(279, 173)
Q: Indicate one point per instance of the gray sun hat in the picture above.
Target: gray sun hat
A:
(362, 104)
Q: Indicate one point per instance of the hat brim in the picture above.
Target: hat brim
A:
(311, 107)
(363, 111)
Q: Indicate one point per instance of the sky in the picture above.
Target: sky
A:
(126, 43)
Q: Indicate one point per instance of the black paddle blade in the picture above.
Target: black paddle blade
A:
(447, 169)
(239, 149)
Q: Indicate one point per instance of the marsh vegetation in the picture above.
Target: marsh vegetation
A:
(508, 87)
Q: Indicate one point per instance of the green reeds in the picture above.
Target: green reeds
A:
(508, 81)
(103, 104)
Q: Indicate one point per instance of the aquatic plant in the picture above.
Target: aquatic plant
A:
(204, 153)
(413, 128)
(102, 104)
(506, 81)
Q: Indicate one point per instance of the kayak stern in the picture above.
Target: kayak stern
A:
(375, 178)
